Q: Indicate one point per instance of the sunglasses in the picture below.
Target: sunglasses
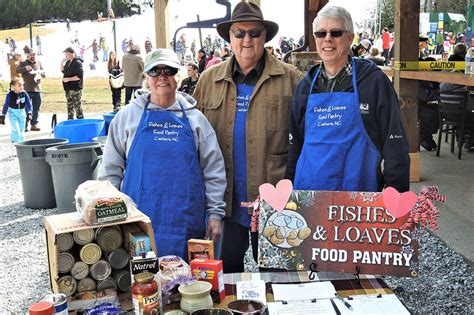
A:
(333, 34)
(252, 33)
(167, 71)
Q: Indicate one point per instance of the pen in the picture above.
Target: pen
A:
(343, 301)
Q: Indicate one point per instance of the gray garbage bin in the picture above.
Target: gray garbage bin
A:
(38, 189)
(71, 165)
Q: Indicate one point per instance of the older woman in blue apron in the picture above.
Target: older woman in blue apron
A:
(345, 119)
(163, 153)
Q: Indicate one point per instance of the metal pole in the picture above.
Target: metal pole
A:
(200, 33)
(115, 35)
(31, 36)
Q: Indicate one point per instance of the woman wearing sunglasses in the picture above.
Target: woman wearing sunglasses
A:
(345, 118)
(163, 153)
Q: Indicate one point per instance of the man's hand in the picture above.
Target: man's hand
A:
(213, 229)
(29, 117)
(65, 80)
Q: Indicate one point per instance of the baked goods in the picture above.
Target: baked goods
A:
(100, 202)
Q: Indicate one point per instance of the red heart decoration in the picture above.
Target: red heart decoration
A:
(398, 204)
(278, 196)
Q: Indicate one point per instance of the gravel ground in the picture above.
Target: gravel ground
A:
(445, 284)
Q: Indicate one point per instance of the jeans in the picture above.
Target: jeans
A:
(116, 97)
(17, 122)
(35, 98)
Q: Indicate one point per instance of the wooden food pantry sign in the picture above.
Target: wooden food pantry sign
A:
(337, 231)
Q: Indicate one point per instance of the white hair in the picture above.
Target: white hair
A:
(335, 12)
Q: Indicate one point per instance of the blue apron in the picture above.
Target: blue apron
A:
(337, 152)
(164, 179)
(240, 214)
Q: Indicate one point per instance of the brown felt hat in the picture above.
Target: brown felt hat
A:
(247, 12)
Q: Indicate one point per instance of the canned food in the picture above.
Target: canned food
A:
(108, 283)
(80, 270)
(90, 253)
(109, 238)
(83, 237)
(67, 285)
(65, 262)
(86, 284)
(60, 303)
(124, 280)
(100, 270)
(118, 259)
(64, 242)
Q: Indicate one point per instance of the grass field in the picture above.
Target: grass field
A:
(96, 96)
(19, 34)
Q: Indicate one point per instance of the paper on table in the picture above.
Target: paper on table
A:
(303, 291)
(383, 304)
(301, 308)
(254, 290)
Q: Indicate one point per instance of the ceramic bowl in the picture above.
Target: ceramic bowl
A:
(212, 311)
(247, 307)
(195, 296)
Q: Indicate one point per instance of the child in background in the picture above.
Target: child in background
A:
(15, 103)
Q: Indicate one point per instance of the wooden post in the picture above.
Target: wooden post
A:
(407, 16)
(313, 9)
(161, 24)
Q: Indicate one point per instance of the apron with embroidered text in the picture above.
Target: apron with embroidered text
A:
(337, 153)
(164, 179)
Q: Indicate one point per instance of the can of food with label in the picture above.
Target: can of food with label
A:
(41, 308)
(83, 237)
(100, 270)
(65, 262)
(108, 283)
(86, 284)
(109, 238)
(90, 253)
(118, 259)
(64, 242)
(80, 270)
(124, 279)
(67, 285)
(60, 303)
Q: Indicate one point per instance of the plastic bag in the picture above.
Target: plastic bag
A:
(99, 202)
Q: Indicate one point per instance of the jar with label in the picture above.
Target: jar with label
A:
(146, 294)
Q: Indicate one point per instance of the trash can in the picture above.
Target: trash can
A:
(71, 165)
(108, 118)
(101, 139)
(38, 189)
(79, 130)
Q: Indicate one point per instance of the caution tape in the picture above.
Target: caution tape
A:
(428, 65)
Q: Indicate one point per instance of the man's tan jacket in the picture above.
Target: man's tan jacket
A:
(267, 120)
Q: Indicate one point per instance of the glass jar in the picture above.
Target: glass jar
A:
(145, 293)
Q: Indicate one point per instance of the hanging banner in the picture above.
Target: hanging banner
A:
(340, 231)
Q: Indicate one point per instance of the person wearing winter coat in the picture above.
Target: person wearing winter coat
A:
(163, 153)
(345, 119)
(18, 106)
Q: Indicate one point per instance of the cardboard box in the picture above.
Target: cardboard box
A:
(135, 241)
(200, 249)
(70, 222)
(210, 270)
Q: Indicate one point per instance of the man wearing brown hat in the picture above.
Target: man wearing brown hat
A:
(247, 100)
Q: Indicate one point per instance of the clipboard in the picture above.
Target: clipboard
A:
(383, 304)
(301, 307)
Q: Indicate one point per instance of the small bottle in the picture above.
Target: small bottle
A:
(469, 63)
(146, 294)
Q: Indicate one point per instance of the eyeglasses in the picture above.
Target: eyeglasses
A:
(252, 33)
(323, 34)
(167, 71)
